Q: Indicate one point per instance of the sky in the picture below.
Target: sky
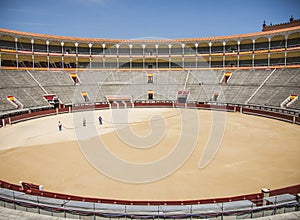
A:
(140, 19)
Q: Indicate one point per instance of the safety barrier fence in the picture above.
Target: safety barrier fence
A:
(288, 115)
(29, 197)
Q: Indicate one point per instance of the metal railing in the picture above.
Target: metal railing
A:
(17, 200)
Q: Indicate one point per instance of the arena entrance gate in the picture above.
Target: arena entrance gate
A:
(119, 101)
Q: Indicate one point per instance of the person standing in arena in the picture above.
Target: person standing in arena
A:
(59, 126)
(100, 120)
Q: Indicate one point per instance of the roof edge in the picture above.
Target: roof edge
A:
(105, 40)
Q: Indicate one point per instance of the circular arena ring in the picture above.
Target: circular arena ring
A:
(147, 162)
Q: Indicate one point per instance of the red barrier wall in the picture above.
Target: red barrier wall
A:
(32, 115)
(298, 120)
(63, 110)
(153, 104)
(216, 107)
(101, 106)
(256, 198)
(269, 114)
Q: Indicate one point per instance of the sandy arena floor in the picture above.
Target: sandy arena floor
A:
(254, 153)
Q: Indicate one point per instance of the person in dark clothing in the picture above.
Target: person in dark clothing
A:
(59, 126)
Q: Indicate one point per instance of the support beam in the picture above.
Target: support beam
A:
(261, 85)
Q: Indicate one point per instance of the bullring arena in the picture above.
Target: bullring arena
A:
(246, 162)
(191, 128)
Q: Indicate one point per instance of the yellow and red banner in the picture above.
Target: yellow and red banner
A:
(228, 74)
(293, 96)
(11, 98)
(73, 75)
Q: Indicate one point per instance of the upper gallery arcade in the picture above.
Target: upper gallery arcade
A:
(275, 46)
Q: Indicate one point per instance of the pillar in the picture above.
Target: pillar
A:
(118, 61)
(196, 52)
(48, 58)
(269, 49)
(103, 46)
(265, 194)
(224, 44)
(238, 55)
(90, 49)
(17, 58)
(90, 46)
(143, 46)
(156, 48)
(209, 44)
(285, 50)
(130, 54)
(62, 54)
(183, 46)
(32, 42)
(76, 51)
(170, 47)
(32, 58)
(253, 56)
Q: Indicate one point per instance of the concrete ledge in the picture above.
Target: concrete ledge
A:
(6, 213)
(285, 216)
